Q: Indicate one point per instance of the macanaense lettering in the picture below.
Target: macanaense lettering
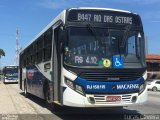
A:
(128, 86)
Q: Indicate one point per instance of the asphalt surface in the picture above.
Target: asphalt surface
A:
(14, 106)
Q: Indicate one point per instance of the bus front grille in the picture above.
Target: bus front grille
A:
(110, 76)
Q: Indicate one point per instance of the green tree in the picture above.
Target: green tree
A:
(2, 53)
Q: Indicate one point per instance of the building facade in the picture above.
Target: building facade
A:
(153, 66)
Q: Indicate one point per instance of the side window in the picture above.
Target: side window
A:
(21, 60)
(27, 56)
(131, 45)
(134, 44)
(47, 49)
(24, 59)
(39, 48)
(31, 55)
(138, 51)
(157, 82)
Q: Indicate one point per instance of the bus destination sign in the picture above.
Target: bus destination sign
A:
(100, 17)
(11, 67)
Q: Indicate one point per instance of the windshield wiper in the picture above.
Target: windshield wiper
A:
(94, 33)
(125, 36)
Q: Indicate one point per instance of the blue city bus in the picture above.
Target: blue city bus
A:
(10, 74)
(87, 57)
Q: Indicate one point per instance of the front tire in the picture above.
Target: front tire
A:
(47, 96)
(154, 89)
(49, 105)
(4, 82)
(25, 90)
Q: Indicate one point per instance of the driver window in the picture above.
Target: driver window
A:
(131, 45)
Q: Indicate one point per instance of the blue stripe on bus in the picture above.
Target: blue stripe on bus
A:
(110, 87)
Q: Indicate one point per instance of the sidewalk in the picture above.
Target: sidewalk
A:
(6, 103)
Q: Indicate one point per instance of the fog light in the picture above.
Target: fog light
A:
(91, 100)
(134, 98)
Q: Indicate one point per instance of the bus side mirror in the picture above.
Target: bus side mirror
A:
(63, 35)
(65, 50)
(139, 36)
(63, 39)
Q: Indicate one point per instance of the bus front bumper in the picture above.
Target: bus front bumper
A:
(74, 99)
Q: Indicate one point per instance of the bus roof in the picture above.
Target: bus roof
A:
(109, 9)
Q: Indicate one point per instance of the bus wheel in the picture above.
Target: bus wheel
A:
(49, 105)
(154, 89)
(25, 90)
(56, 107)
(47, 97)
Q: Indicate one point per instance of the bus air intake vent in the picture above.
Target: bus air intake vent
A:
(110, 76)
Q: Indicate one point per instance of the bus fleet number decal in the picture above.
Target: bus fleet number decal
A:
(85, 60)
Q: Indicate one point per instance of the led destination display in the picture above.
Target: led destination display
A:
(101, 17)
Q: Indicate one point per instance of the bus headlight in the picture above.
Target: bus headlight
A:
(74, 86)
(79, 89)
(69, 83)
(142, 87)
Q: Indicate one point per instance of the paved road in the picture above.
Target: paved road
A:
(15, 106)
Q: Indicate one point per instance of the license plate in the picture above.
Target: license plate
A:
(113, 98)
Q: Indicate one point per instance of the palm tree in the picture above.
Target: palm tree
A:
(2, 53)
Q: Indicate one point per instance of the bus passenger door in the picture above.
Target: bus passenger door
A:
(56, 67)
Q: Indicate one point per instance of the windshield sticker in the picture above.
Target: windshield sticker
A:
(118, 62)
(106, 63)
(100, 62)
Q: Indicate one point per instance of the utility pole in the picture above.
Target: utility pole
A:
(16, 62)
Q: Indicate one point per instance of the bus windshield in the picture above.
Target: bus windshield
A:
(11, 73)
(89, 47)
